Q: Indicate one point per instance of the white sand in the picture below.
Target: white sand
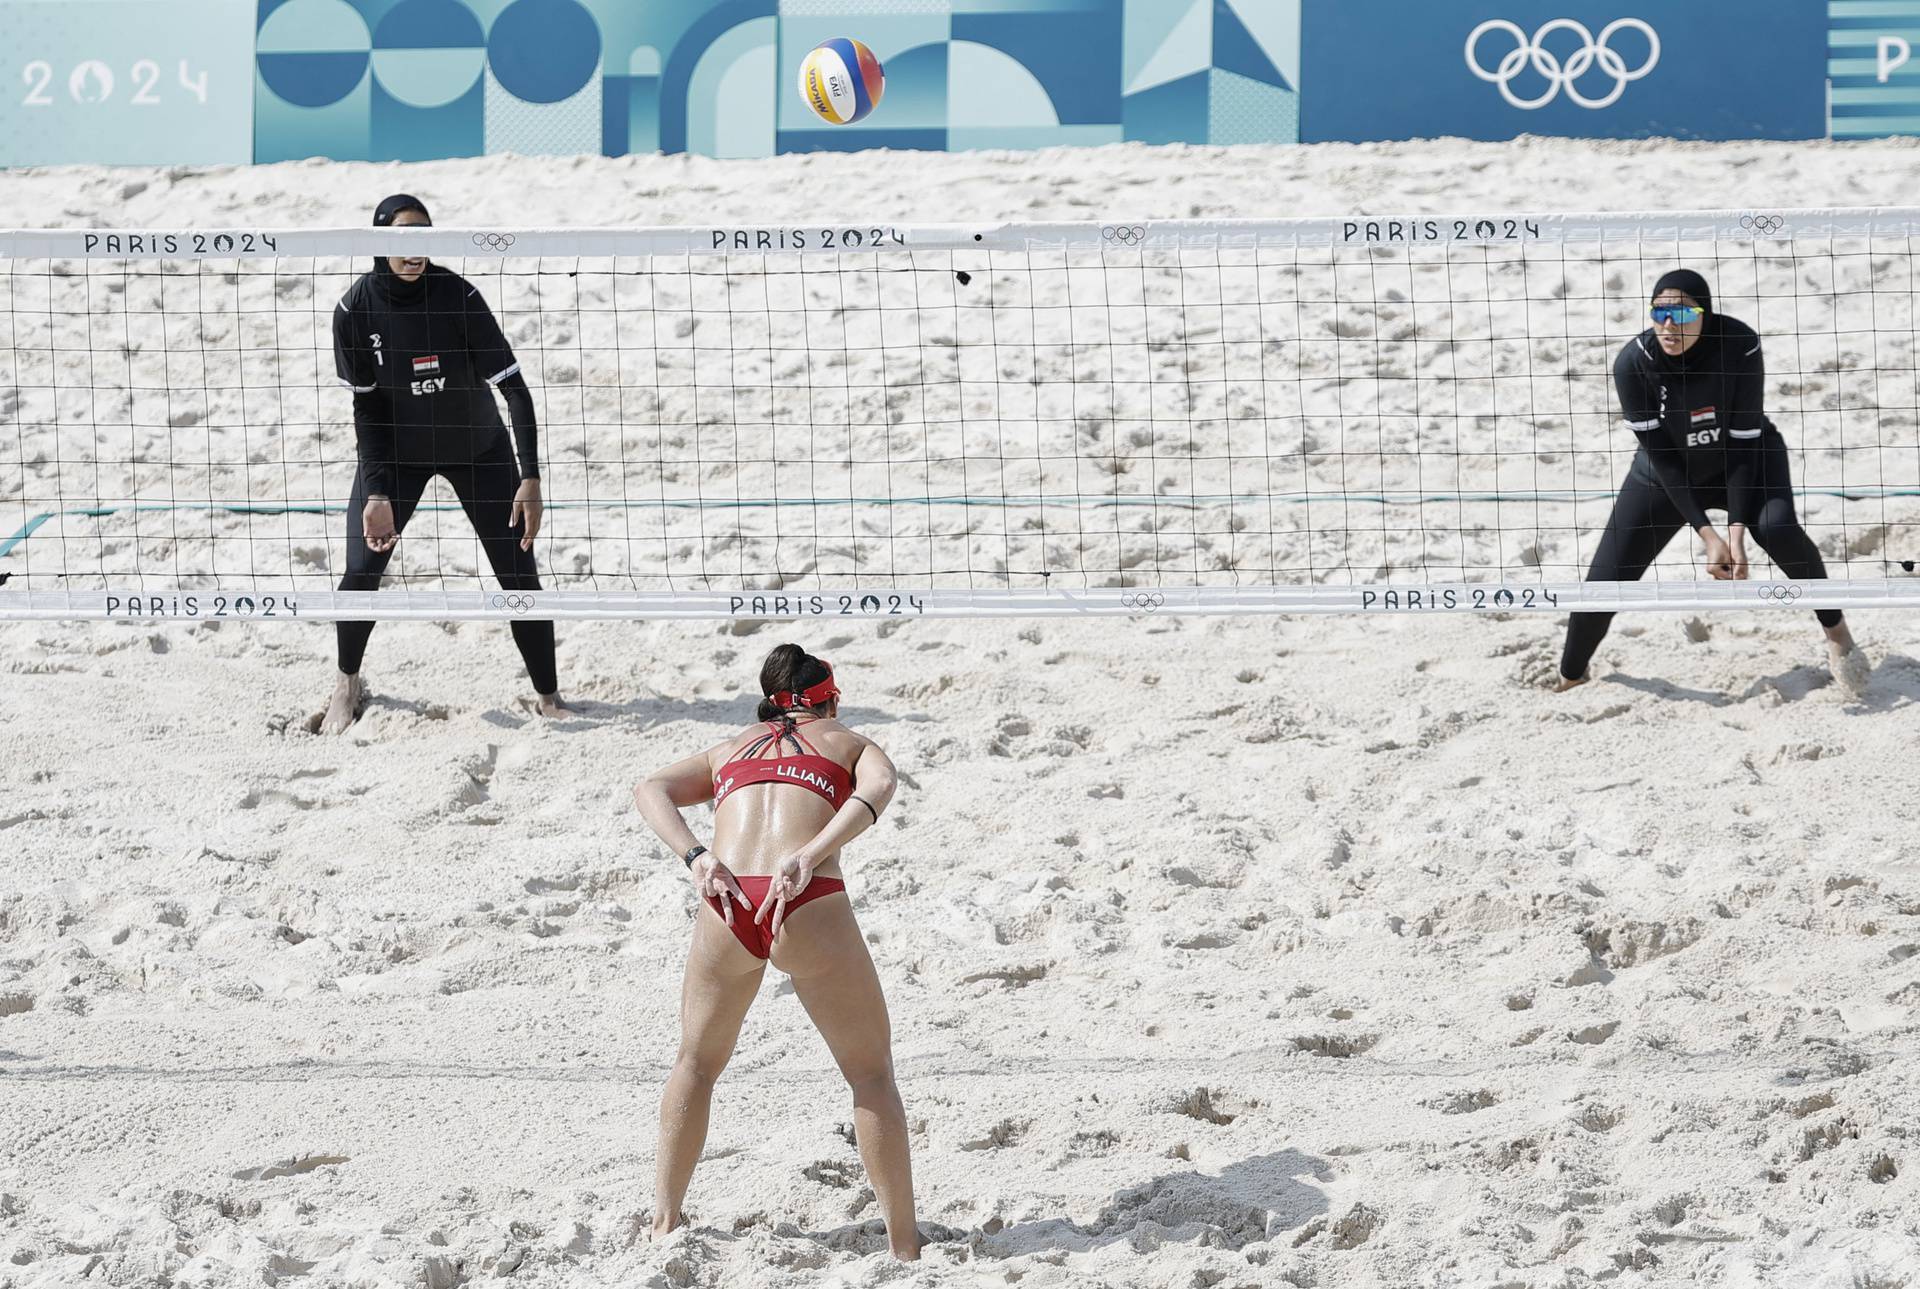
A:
(1220, 953)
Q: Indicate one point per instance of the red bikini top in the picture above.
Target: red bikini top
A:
(806, 768)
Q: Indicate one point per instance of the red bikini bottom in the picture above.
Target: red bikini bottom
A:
(753, 936)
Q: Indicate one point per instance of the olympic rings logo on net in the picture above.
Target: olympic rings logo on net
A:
(1146, 602)
(518, 603)
(493, 241)
(1125, 234)
(1763, 223)
(1594, 50)
(1780, 592)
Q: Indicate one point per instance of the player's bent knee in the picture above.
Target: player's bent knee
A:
(699, 1067)
(872, 1084)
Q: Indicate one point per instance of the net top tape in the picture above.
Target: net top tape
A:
(1483, 229)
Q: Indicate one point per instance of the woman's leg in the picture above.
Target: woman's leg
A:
(365, 567)
(719, 986)
(1777, 529)
(486, 493)
(1780, 535)
(1643, 521)
(821, 948)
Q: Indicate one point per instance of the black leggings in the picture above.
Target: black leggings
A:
(485, 489)
(1644, 520)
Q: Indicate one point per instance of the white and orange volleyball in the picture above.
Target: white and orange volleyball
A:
(841, 80)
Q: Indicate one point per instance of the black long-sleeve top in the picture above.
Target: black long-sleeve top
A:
(423, 360)
(1699, 417)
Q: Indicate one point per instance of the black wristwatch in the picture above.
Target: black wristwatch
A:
(694, 854)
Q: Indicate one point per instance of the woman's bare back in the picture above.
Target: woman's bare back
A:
(760, 823)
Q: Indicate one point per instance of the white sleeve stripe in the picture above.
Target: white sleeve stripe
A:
(1744, 434)
(1641, 427)
(358, 389)
(496, 379)
(1753, 351)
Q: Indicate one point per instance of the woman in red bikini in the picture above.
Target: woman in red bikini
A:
(787, 794)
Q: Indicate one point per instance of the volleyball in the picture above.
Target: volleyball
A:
(841, 80)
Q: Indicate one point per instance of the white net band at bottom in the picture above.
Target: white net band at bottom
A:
(1472, 597)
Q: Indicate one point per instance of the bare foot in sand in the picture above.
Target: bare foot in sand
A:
(552, 705)
(1561, 684)
(344, 708)
(1850, 667)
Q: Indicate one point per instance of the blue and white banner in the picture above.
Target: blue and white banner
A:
(126, 82)
(197, 81)
(1705, 69)
(1871, 64)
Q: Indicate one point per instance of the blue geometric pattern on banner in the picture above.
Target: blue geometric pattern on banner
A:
(428, 24)
(677, 76)
(403, 132)
(1242, 110)
(315, 79)
(1074, 52)
(1164, 42)
(1235, 49)
(1379, 70)
(916, 93)
(614, 131)
(428, 53)
(544, 51)
(1175, 112)
(312, 52)
(1872, 69)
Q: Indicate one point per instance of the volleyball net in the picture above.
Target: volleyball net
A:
(1358, 414)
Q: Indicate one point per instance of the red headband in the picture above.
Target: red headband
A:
(812, 695)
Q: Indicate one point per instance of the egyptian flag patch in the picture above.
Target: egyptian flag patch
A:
(430, 366)
(1700, 415)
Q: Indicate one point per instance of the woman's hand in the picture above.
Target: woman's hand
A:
(713, 880)
(526, 509)
(1719, 554)
(376, 521)
(1737, 535)
(790, 877)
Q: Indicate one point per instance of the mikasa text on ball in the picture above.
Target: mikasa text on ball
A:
(841, 80)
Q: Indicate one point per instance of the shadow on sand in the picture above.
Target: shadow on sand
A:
(1244, 1202)
(1895, 685)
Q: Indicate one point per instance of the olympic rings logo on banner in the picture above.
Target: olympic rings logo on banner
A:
(518, 603)
(1594, 50)
(1146, 603)
(1780, 592)
(1125, 234)
(493, 241)
(1763, 223)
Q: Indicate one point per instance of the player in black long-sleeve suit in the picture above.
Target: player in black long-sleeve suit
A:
(1692, 389)
(423, 355)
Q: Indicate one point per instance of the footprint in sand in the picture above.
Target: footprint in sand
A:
(838, 1174)
(1210, 1105)
(1598, 1118)
(288, 1168)
(1339, 1046)
(1008, 1132)
(1463, 1102)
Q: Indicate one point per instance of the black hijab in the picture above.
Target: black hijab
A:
(1695, 287)
(385, 279)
